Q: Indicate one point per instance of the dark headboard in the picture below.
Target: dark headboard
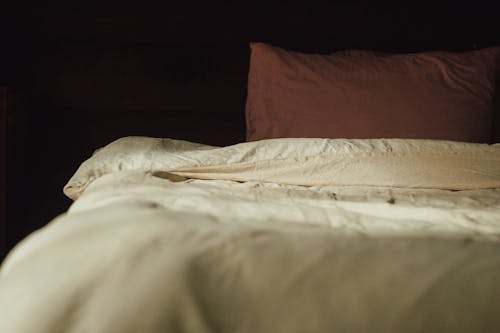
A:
(93, 73)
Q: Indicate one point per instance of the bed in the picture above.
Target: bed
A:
(364, 198)
(287, 232)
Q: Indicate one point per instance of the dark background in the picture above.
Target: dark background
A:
(88, 74)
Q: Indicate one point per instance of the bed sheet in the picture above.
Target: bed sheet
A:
(142, 252)
(152, 244)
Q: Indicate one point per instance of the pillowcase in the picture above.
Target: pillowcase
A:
(307, 162)
(364, 94)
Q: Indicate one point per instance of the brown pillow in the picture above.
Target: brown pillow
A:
(364, 94)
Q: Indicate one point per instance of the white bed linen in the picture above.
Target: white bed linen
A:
(150, 251)
(372, 162)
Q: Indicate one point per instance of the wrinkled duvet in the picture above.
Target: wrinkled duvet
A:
(284, 235)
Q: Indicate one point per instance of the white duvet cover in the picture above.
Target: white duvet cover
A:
(287, 235)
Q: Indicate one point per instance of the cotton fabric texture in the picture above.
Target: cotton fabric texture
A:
(365, 94)
(369, 162)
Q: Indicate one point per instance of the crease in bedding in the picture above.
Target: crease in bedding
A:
(370, 162)
(369, 211)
